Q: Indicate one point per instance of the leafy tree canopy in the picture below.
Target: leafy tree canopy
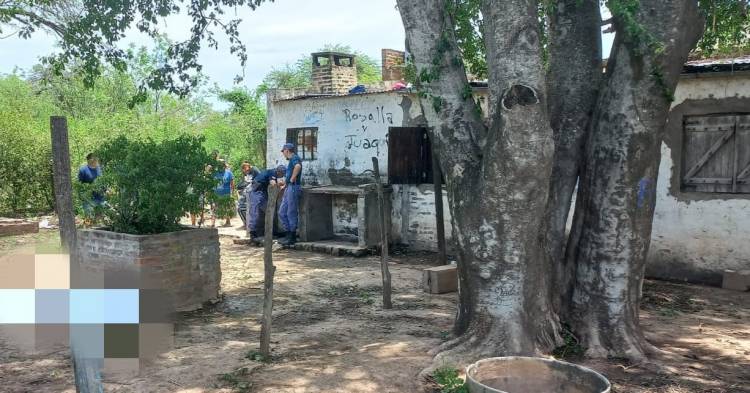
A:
(89, 31)
(727, 28)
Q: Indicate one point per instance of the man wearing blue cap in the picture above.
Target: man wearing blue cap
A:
(292, 192)
(259, 199)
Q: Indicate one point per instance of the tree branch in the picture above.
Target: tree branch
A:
(447, 99)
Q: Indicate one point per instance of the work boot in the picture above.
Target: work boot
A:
(284, 238)
(292, 239)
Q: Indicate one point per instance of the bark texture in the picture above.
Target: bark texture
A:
(574, 77)
(615, 205)
(496, 177)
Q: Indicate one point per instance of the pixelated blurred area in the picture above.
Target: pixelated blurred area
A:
(114, 315)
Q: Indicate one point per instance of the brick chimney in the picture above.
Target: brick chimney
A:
(333, 73)
(393, 64)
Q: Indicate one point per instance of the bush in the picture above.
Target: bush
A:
(151, 185)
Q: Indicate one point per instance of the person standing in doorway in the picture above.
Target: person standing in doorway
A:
(292, 186)
(87, 173)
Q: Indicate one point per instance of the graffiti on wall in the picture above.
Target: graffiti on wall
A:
(358, 138)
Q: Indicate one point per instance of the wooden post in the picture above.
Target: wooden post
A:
(437, 180)
(383, 238)
(268, 269)
(62, 185)
(87, 371)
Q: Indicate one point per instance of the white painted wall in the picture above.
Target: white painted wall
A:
(351, 130)
(706, 236)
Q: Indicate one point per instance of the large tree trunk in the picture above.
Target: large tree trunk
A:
(615, 206)
(574, 76)
(497, 177)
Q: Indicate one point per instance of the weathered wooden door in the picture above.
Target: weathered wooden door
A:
(409, 156)
(716, 153)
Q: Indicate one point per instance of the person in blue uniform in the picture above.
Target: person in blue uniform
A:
(292, 186)
(259, 199)
(87, 173)
(243, 188)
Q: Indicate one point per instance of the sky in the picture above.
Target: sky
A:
(276, 33)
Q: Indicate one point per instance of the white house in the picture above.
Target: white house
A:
(702, 220)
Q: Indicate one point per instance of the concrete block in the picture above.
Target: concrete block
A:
(440, 279)
(736, 280)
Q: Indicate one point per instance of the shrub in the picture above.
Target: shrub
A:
(150, 185)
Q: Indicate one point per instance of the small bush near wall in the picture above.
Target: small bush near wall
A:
(150, 185)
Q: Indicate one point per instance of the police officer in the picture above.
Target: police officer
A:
(259, 199)
(288, 211)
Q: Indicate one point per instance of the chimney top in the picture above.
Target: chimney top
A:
(336, 58)
(333, 72)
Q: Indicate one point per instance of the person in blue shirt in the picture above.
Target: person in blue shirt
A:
(292, 186)
(223, 207)
(243, 189)
(259, 200)
(87, 173)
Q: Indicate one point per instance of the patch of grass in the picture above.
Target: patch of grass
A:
(236, 380)
(365, 295)
(449, 381)
(571, 349)
(667, 300)
(256, 356)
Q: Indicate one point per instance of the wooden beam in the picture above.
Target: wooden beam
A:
(86, 370)
(268, 272)
(744, 173)
(711, 151)
(387, 304)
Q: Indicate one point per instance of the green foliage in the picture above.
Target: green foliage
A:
(25, 167)
(467, 18)
(449, 381)
(101, 112)
(727, 27)
(89, 31)
(150, 185)
(299, 74)
(571, 349)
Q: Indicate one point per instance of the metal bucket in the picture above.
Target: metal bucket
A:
(515, 374)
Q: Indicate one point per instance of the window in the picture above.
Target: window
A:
(305, 140)
(716, 153)
(409, 156)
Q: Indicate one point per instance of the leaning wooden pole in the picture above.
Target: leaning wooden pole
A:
(383, 238)
(63, 187)
(87, 371)
(437, 179)
(268, 269)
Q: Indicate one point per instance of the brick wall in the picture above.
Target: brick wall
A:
(333, 79)
(186, 263)
(393, 64)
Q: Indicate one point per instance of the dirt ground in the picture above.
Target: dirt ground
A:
(331, 335)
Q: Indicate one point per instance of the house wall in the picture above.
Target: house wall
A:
(698, 235)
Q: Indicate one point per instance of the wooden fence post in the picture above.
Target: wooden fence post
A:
(383, 238)
(268, 269)
(87, 371)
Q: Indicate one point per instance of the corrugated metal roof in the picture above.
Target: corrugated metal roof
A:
(733, 64)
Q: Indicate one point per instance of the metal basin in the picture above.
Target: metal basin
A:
(533, 375)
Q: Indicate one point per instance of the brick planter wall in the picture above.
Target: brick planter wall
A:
(184, 263)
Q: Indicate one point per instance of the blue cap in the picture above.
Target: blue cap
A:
(288, 146)
(280, 169)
